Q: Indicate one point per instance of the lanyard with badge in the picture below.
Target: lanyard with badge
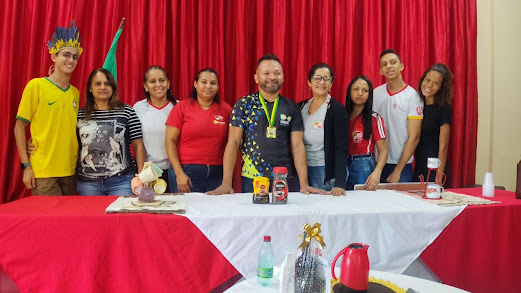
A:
(271, 131)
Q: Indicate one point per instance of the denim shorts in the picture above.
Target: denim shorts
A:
(358, 169)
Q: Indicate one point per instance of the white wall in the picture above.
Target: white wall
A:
(499, 90)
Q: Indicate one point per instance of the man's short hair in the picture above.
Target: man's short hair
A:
(268, 57)
(390, 51)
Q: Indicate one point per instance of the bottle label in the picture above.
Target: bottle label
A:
(265, 273)
(261, 190)
(280, 190)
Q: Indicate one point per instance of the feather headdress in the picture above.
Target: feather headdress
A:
(65, 38)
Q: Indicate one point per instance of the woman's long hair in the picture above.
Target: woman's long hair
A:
(367, 112)
(444, 95)
(169, 95)
(90, 104)
(193, 92)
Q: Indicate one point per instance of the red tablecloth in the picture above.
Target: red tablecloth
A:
(480, 251)
(69, 244)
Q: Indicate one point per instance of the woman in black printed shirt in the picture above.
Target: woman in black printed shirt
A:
(106, 128)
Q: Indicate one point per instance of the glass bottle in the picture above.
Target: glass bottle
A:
(280, 185)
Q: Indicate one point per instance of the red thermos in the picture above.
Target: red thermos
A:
(354, 269)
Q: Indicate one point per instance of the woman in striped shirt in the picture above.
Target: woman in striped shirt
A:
(106, 128)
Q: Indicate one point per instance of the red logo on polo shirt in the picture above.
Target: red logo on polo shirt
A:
(419, 110)
(394, 106)
(219, 120)
(358, 136)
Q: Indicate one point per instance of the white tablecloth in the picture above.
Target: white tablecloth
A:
(397, 227)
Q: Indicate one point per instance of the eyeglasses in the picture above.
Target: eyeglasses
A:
(68, 55)
(318, 78)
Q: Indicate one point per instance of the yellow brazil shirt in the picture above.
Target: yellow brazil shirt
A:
(52, 113)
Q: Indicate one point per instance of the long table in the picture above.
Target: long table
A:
(65, 244)
(480, 251)
(397, 227)
(69, 244)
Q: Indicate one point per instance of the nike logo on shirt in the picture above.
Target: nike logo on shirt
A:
(50, 104)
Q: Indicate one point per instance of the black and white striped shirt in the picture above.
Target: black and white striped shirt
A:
(104, 141)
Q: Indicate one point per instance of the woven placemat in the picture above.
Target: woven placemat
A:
(163, 204)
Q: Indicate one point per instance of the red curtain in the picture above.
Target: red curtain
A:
(230, 35)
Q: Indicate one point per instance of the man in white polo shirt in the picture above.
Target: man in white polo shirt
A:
(402, 110)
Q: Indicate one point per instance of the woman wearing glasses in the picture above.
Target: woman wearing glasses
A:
(196, 135)
(325, 132)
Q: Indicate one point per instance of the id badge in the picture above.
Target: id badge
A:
(271, 132)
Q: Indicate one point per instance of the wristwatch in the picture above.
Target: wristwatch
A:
(25, 165)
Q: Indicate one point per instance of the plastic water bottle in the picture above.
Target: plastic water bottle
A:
(265, 267)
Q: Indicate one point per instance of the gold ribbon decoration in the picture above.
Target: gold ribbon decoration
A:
(312, 232)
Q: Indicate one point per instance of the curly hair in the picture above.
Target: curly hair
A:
(444, 95)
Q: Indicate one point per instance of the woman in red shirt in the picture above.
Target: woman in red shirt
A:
(196, 135)
(366, 128)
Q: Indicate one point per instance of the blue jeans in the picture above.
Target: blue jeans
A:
(316, 176)
(247, 184)
(406, 175)
(204, 177)
(115, 185)
(358, 169)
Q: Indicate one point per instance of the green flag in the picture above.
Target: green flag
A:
(110, 60)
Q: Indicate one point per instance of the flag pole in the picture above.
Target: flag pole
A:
(122, 23)
(110, 59)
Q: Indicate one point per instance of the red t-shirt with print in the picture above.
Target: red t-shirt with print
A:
(357, 145)
(204, 133)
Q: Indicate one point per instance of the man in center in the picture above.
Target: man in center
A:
(268, 129)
